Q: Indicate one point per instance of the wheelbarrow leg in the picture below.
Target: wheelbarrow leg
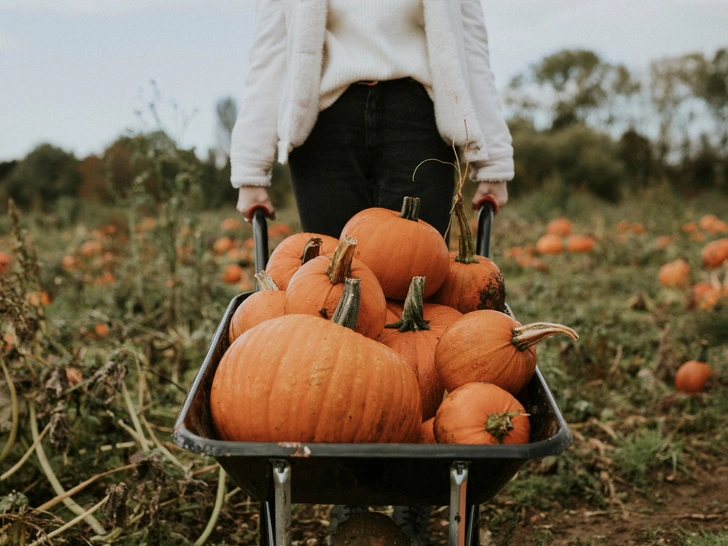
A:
(275, 513)
(458, 507)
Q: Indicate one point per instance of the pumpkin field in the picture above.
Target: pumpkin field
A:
(107, 315)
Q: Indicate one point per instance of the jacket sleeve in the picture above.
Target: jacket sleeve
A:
(254, 138)
(485, 98)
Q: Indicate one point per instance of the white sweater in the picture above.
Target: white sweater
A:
(281, 96)
(372, 40)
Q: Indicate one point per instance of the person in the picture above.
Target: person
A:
(369, 102)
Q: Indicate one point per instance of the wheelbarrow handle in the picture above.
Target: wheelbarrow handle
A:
(486, 210)
(260, 238)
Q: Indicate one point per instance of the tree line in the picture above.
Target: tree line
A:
(578, 122)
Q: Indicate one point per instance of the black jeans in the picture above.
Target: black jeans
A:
(363, 152)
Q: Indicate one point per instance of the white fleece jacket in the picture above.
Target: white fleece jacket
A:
(280, 100)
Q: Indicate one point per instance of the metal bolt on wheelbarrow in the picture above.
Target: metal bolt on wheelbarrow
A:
(280, 474)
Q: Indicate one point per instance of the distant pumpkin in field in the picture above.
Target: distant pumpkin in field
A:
(580, 243)
(550, 244)
(559, 226)
(715, 253)
(675, 274)
(4, 262)
(232, 273)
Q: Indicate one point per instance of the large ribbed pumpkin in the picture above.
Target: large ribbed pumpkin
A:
(295, 250)
(398, 246)
(473, 282)
(316, 288)
(490, 346)
(414, 335)
(481, 413)
(298, 378)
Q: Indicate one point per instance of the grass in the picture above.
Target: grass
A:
(633, 432)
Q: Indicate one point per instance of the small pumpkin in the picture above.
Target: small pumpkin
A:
(316, 288)
(483, 414)
(715, 253)
(294, 251)
(578, 244)
(232, 273)
(473, 282)
(675, 274)
(560, 227)
(5, 261)
(550, 244)
(490, 346)
(266, 303)
(692, 375)
(297, 378)
(399, 246)
(415, 335)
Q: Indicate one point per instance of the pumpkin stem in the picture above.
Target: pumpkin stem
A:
(265, 281)
(500, 424)
(413, 318)
(340, 265)
(410, 209)
(466, 245)
(312, 249)
(529, 335)
(347, 309)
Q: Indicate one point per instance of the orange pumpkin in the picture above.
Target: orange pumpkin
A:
(222, 245)
(559, 226)
(490, 346)
(481, 413)
(267, 303)
(580, 243)
(294, 251)
(715, 253)
(550, 244)
(316, 288)
(692, 375)
(707, 221)
(399, 246)
(297, 378)
(414, 335)
(5, 261)
(675, 274)
(232, 273)
(473, 282)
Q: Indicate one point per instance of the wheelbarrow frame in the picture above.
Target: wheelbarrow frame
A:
(280, 474)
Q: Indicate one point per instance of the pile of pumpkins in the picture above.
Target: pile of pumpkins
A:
(382, 335)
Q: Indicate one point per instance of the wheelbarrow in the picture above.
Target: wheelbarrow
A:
(280, 474)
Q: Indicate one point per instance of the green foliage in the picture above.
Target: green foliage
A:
(579, 157)
(41, 178)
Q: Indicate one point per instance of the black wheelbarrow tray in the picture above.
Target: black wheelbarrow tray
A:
(280, 474)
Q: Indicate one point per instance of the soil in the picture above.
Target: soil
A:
(673, 510)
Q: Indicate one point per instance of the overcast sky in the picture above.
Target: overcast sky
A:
(75, 72)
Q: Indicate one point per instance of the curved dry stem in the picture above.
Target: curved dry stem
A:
(83, 485)
(53, 479)
(135, 419)
(340, 266)
(529, 335)
(162, 448)
(219, 501)
(17, 466)
(66, 526)
(15, 411)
